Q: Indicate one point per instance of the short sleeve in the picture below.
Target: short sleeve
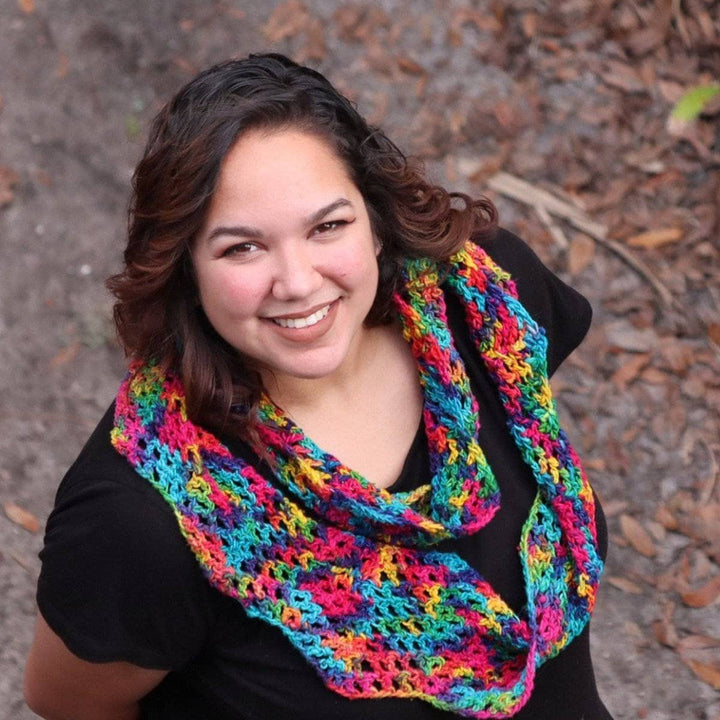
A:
(118, 581)
(563, 312)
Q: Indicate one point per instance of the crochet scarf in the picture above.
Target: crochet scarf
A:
(348, 571)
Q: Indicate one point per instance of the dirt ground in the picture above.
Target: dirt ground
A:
(571, 97)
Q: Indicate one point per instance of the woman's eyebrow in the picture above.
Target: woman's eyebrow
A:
(323, 211)
(245, 231)
(235, 231)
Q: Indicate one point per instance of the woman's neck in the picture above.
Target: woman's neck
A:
(362, 365)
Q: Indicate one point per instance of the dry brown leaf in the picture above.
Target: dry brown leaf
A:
(644, 40)
(184, 65)
(621, 334)
(27, 6)
(360, 23)
(21, 517)
(481, 20)
(286, 21)
(8, 180)
(664, 628)
(704, 595)
(701, 524)
(697, 642)
(596, 464)
(638, 537)
(580, 253)
(410, 66)
(629, 371)
(670, 90)
(62, 67)
(677, 354)
(654, 376)
(665, 633)
(666, 518)
(235, 13)
(529, 24)
(709, 673)
(713, 330)
(622, 76)
(65, 355)
(625, 584)
(314, 47)
(614, 507)
(656, 238)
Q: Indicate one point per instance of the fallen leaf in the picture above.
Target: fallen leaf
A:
(654, 376)
(704, 595)
(21, 517)
(697, 642)
(666, 518)
(678, 355)
(629, 371)
(65, 355)
(27, 6)
(714, 332)
(623, 76)
(529, 24)
(410, 66)
(625, 584)
(644, 40)
(670, 90)
(693, 102)
(62, 66)
(623, 335)
(614, 507)
(596, 464)
(315, 47)
(638, 537)
(707, 672)
(701, 524)
(235, 13)
(580, 253)
(185, 65)
(22, 560)
(656, 238)
(8, 180)
(665, 633)
(286, 21)
(360, 23)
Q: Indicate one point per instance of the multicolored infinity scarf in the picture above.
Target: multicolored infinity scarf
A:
(347, 570)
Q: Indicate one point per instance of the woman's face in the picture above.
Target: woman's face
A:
(286, 263)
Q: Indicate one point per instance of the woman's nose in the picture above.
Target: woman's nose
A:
(296, 274)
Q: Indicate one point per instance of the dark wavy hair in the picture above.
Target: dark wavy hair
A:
(157, 313)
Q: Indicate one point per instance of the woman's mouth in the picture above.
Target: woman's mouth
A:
(303, 322)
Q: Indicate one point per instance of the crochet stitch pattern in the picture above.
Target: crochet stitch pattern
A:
(347, 570)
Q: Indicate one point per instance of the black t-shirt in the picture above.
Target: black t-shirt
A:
(119, 582)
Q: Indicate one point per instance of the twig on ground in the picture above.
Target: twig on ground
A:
(546, 204)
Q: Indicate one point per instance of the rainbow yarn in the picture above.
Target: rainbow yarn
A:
(348, 570)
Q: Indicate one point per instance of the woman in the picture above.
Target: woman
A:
(333, 484)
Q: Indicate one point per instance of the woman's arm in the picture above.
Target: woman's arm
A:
(61, 686)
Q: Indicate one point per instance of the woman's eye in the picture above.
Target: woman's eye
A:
(329, 226)
(239, 249)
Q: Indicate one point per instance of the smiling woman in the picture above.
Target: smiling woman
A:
(333, 483)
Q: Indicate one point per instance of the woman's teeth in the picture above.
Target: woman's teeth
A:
(313, 319)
